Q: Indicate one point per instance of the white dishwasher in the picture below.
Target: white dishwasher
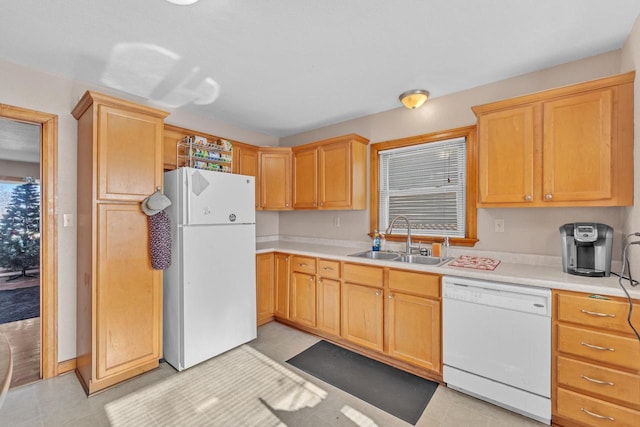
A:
(497, 344)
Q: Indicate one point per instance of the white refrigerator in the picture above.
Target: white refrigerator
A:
(209, 301)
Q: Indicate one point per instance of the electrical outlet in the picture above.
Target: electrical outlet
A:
(67, 220)
(336, 221)
(499, 226)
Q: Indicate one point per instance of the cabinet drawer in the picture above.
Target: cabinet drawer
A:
(605, 383)
(303, 264)
(422, 284)
(329, 268)
(608, 348)
(594, 412)
(599, 313)
(364, 274)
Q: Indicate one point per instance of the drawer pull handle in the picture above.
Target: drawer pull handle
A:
(302, 264)
(596, 347)
(327, 268)
(595, 313)
(596, 381)
(593, 414)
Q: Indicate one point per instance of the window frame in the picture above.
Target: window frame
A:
(467, 132)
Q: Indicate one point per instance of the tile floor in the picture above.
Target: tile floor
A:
(61, 401)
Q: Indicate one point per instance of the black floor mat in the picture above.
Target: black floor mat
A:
(399, 393)
(19, 304)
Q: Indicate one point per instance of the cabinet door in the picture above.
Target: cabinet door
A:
(246, 163)
(282, 273)
(129, 154)
(264, 288)
(506, 156)
(305, 179)
(128, 299)
(362, 311)
(335, 175)
(329, 306)
(303, 299)
(275, 180)
(577, 147)
(414, 330)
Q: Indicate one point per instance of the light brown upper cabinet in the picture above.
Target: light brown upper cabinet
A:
(571, 146)
(119, 295)
(275, 178)
(330, 174)
(245, 162)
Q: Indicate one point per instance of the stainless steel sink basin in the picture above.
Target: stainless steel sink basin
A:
(410, 259)
(377, 255)
(422, 259)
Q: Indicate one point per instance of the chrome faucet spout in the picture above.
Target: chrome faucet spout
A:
(408, 241)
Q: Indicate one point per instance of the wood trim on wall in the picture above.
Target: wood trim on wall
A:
(468, 132)
(48, 223)
(67, 366)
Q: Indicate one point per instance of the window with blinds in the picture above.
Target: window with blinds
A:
(426, 183)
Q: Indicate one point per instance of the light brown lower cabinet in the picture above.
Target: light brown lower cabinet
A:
(264, 287)
(362, 315)
(303, 299)
(596, 361)
(282, 273)
(413, 318)
(393, 312)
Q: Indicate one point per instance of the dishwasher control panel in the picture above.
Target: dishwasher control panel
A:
(500, 295)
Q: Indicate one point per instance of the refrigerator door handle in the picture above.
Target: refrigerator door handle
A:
(187, 189)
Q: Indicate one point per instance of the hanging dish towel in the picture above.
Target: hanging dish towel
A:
(160, 240)
(159, 229)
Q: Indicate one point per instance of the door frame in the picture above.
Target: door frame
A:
(48, 238)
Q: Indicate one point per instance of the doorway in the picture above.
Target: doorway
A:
(46, 331)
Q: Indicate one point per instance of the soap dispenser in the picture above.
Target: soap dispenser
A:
(376, 241)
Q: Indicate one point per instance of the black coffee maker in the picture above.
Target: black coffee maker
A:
(586, 249)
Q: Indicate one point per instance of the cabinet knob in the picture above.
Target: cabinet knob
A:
(311, 279)
(378, 293)
(286, 205)
(321, 203)
(390, 296)
(528, 197)
(548, 196)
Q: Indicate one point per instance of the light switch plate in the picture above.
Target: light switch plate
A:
(499, 226)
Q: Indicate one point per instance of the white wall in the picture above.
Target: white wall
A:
(631, 61)
(23, 87)
(532, 231)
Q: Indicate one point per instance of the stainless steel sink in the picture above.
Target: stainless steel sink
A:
(410, 259)
(422, 259)
(377, 255)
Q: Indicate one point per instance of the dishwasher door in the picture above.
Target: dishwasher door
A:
(497, 341)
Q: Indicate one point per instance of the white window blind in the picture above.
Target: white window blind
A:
(426, 183)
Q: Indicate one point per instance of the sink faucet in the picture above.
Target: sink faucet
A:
(409, 247)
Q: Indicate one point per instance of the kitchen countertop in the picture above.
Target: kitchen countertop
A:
(506, 272)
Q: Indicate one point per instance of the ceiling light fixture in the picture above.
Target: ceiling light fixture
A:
(182, 2)
(414, 98)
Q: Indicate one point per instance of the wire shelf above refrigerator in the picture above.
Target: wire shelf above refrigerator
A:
(196, 152)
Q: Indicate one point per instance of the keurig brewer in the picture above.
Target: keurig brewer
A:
(586, 249)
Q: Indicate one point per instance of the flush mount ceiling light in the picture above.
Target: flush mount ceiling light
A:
(414, 98)
(182, 2)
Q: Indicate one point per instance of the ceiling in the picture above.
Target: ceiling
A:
(285, 66)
